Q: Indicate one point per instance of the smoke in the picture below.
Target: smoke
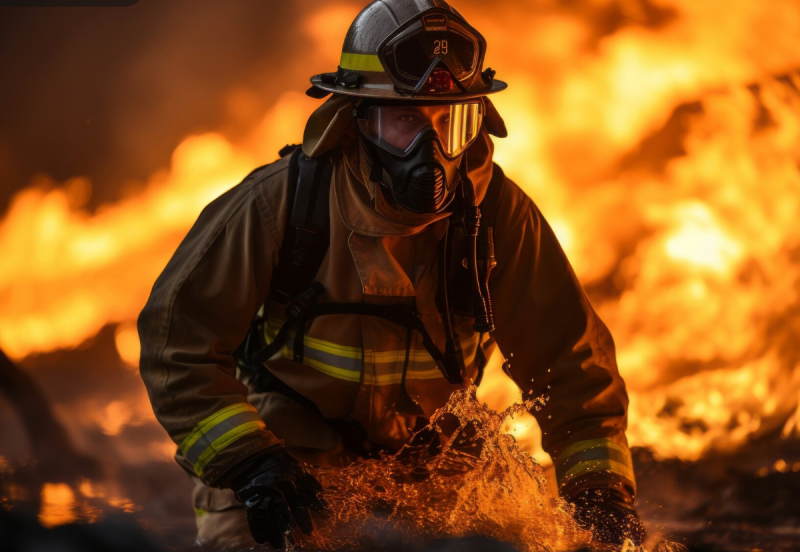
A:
(108, 93)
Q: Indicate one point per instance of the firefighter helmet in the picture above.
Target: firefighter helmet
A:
(410, 50)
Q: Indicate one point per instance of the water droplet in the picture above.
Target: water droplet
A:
(417, 489)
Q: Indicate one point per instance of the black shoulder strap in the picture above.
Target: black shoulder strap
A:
(307, 234)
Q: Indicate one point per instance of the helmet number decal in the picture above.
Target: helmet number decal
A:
(440, 47)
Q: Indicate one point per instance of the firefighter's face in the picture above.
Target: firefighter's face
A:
(398, 128)
(407, 122)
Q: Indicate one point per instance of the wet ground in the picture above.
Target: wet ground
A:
(710, 507)
(736, 502)
(726, 503)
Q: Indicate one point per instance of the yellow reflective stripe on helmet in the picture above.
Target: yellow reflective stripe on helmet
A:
(217, 432)
(582, 457)
(361, 62)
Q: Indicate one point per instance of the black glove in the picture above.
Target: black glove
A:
(278, 494)
(610, 515)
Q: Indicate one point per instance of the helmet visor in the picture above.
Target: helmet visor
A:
(398, 128)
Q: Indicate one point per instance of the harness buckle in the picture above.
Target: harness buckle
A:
(302, 302)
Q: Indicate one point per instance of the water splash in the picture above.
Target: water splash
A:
(477, 481)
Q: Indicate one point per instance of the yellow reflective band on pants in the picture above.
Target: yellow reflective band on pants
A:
(217, 432)
(595, 455)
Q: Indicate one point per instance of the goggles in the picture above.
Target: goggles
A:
(436, 53)
(398, 128)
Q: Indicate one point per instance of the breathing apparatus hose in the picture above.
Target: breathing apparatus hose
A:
(484, 320)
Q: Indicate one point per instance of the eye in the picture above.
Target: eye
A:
(407, 118)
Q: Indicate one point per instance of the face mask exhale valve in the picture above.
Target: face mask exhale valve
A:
(419, 148)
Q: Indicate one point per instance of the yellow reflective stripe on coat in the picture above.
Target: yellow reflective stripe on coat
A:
(346, 363)
(594, 455)
(361, 62)
(217, 432)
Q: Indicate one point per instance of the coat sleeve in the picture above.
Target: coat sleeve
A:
(559, 352)
(198, 312)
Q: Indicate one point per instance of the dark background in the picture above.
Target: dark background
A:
(108, 93)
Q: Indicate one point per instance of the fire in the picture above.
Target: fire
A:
(699, 242)
(681, 224)
(62, 504)
(126, 338)
(58, 505)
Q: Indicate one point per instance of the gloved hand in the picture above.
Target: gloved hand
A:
(278, 494)
(609, 514)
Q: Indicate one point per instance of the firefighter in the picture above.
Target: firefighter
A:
(325, 307)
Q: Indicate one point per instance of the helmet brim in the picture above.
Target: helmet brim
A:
(388, 91)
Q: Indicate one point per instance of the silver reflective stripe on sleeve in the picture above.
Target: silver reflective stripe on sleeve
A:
(217, 432)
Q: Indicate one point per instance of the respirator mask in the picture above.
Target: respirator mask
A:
(417, 149)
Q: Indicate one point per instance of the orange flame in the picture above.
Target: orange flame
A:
(58, 505)
(694, 255)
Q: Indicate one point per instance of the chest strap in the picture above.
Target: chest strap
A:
(305, 308)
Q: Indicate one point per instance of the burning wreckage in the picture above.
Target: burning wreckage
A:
(698, 282)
